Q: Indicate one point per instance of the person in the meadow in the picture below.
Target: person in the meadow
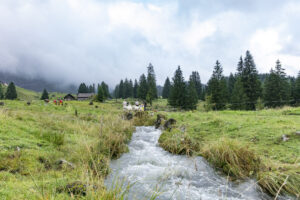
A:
(55, 102)
(61, 102)
(137, 103)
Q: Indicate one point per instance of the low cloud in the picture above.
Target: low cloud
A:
(89, 40)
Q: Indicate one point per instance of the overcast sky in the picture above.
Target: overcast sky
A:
(93, 40)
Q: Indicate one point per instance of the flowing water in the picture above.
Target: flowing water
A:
(151, 169)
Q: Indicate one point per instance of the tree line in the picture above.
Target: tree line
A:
(102, 90)
(144, 89)
(243, 90)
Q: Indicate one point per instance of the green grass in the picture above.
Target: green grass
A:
(242, 143)
(46, 133)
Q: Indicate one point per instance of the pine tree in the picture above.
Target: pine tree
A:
(11, 92)
(45, 95)
(191, 95)
(116, 92)
(231, 82)
(151, 83)
(105, 90)
(195, 78)
(238, 98)
(83, 88)
(100, 94)
(91, 89)
(166, 89)
(143, 87)
(217, 88)
(1, 91)
(240, 67)
(130, 89)
(251, 83)
(121, 90)
(135, 89)
(276, 87)
(177, 97)
(297, 90)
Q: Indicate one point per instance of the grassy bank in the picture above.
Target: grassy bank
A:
(47, 151)
(242, 144)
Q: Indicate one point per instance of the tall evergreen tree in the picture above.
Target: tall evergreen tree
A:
(251, 83)
(297, 90)
(83, 88)
(231, 82)
(240, 67)
(121, 90)
(1, 91)
(105, 90)
(217, 88)
(143, 87)
(191, 95)
(151, 83)
(276, 87)
(177, 97)
(100, 94)
(195, 78)
(45, 95)
(238, 97)
(11, 92)
(166, 89)
(135, 89)
(116, 92)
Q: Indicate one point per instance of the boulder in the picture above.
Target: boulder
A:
(297, 133)
(128, 116)
(62, 162)
(285, 138)
(91, 103)
(159, 119)
(1, 103)
(169, 124)
(46, 100)
(96, 106)
(75, 188)
(28, 103)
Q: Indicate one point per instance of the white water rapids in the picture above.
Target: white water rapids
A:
(152, 169)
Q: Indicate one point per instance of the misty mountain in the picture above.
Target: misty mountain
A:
(36, 84)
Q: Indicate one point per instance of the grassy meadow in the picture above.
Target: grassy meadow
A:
(34, 139)
(242, 143)
(48, 151)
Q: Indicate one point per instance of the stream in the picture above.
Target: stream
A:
(151, 170)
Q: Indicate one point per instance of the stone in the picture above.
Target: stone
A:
(169, 124)
(1, 103)
(159, 119)
(285, 138)
(28, 103)
(297, 133)
(128, 116)
(62, 162)
(91, 103)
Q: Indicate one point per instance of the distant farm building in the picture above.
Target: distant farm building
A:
(84, 96)
(69, 97)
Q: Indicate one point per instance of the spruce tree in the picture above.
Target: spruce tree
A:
(276, 87)
(191, 95)
(135, 89)
(1, 91)
(251, 83)
(45, 95)
(231, 82)
(116, 92)
(151, 84)
(297, 90)
(240, 67)
(100, 94)
(11, 92)
(143, 87)
(238, 98)
(121, 90)
(177, 97)
(83, 88)
(105, 90)
(166, 89)
(217, 88)
(195, 78)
